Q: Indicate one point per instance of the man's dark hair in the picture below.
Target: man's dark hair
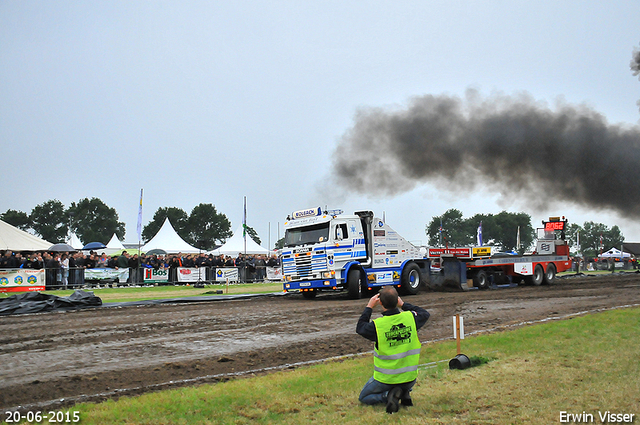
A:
(389, 297)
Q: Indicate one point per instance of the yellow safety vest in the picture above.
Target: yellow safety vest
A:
(397, 356)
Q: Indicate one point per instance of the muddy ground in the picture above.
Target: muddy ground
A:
(96, 354)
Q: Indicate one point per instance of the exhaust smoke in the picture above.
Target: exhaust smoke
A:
(513, 145)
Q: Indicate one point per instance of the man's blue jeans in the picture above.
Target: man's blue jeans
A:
(375, 392)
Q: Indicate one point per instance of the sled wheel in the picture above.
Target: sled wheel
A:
(550, 275)
(481, 281)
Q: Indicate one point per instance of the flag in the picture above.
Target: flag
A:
(479, 236)
(139, 227)
(578, 239)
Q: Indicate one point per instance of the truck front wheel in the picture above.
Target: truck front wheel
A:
(410, 279)
(309, 295)
(354, 284)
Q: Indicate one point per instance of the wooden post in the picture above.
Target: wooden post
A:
(458, 332)
(227, 285)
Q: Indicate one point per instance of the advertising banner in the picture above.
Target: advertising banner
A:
(191, 274)
(156, 276)
(224, 273)
(274, 273)
(22, 280)
(107, 274)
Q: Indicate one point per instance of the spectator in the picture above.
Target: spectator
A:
(64, 270)
(261, 268)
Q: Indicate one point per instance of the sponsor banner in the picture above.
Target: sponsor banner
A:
(224, 273)
(191, 274)
(107, 274)
(545, 247)
(274, 273)
(484, 251)
(525, 269)
(457, 252)
(156, 276)
(22, 280)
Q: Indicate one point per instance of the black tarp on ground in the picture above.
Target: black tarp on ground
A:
(36, 302)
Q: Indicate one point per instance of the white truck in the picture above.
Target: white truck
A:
(332, 251)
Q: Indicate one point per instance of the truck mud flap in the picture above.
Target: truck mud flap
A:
(451, 277)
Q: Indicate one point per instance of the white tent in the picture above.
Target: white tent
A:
(235, 245)
(74, 241)
(614, 253)
(113, 246)
(18, 240)
(168, 240)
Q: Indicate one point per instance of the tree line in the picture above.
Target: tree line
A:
(205, 228)
(94, 221)
(501, 230)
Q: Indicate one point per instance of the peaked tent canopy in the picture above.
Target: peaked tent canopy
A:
(15, 239)
(614, 253)
(113, 246)
(168, 240)
(74, 241)
(235, 245)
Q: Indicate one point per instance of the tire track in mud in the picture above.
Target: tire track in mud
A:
(50, 356)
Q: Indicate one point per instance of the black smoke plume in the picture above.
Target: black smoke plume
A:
(635, 63)
(531, 154)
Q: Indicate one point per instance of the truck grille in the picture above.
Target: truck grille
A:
(303, 266)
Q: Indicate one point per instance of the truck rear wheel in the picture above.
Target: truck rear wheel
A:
(481, 281)
(410, 279)
(537, 277)
(550, 275)
(354, 284)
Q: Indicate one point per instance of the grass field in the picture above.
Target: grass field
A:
(585, 364)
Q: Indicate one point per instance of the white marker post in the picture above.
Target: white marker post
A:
(458, 330)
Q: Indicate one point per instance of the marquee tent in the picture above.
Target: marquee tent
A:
(614, 253)
(113, 246)
(74, 241)
(167, 239)
(18, 240)
(235, 245)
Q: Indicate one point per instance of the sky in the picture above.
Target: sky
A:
(209, 102)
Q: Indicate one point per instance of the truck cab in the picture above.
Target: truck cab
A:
(329, 250)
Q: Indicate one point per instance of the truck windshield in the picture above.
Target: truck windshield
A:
(306, 235)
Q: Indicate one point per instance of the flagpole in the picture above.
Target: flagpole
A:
(244, 226)
(139, 226)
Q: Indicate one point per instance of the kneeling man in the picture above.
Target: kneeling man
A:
(397, 349)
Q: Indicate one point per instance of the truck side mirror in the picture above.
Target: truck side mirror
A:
(339, 236)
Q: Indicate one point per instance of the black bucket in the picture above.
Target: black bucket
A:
(459, 362)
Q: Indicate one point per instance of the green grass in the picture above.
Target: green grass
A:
(124, 294)
(524, 376)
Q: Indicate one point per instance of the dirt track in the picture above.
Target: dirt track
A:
(95, 354)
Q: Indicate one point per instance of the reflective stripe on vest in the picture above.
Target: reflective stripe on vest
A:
(397, 356)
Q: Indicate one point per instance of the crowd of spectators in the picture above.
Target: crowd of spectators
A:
(68, 268)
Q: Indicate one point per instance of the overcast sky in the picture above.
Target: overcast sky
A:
(208, 102)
